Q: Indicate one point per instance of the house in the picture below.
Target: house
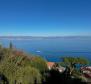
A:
(61, 69)
(86, 71)
(50, 65)
(53, 65)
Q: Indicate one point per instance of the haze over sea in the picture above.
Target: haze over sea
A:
(52, 48)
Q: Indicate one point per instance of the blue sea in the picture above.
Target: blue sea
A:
(52, 49)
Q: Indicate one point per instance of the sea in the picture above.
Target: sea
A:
(52, 49)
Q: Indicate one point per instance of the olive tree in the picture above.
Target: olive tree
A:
(72, 62)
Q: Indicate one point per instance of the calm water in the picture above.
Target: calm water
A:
(53, 49)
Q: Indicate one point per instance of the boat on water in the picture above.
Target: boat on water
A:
(38, 51)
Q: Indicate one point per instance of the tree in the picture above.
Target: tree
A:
(4, 52)
(11, 45)
(0, 46)
(72, 62)
(39, 63)
(28, 75)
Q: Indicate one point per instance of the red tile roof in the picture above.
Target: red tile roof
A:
(50, 64)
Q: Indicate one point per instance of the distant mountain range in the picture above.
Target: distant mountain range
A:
(41, 37)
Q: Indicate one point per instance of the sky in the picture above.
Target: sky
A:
(45, 17)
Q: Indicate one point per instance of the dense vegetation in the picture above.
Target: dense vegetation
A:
(73, 64)
(17, 67)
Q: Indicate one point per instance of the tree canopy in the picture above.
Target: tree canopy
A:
(20, 68)
(71, 64)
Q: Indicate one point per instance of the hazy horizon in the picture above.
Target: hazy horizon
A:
(45, 36)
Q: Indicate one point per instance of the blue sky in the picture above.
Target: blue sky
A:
(45, 17)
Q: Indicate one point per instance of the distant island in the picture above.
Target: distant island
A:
(40, 37)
